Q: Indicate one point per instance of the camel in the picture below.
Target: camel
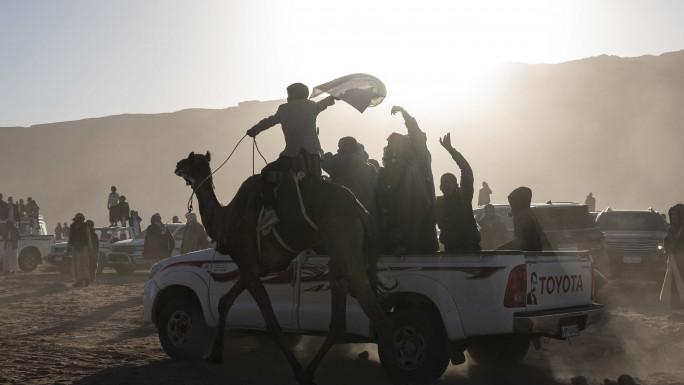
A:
(344, 228)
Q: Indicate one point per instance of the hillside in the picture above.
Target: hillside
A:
(605, 124)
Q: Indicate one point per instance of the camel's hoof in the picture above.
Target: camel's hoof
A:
(214, 358)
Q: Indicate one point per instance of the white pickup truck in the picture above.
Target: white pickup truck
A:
(491, 304)
(34, 244)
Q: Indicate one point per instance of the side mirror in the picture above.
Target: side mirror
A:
(114, 240)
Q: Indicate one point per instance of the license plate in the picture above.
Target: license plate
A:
(631, 259)
(567, 247)
(570, 330)
(58, 259)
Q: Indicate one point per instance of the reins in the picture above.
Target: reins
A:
(254, 146)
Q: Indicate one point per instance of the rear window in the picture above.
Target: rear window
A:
(564, 218)
(631, 221)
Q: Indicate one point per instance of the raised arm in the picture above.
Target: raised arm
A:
(264, 124)
(325, 103)
(467, 179)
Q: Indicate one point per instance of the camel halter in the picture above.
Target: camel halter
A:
(254, 146)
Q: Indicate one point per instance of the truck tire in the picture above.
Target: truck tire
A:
(29, 259)
(420, 344)
(182, 331)
(125, 270)
(101, 260)
(500, 350)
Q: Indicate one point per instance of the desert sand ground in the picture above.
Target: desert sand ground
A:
(52, 333)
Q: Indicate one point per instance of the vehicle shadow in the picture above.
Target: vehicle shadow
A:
(256, 360)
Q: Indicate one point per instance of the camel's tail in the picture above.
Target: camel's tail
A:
(372, 251)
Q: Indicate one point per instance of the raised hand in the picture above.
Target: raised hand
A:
(446, 142)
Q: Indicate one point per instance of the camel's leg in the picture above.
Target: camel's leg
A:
(382, 325)
(258, 291)
(338, 324)
(225, 303)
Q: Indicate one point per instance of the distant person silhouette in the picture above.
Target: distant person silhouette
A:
(527, 231)
(483, 196)
(65, 231)
(113, 207)
(297, 118)
(175, 219)
(493, 230)
(454, 209)
(124, 211)
(672, 290)
(590, 202)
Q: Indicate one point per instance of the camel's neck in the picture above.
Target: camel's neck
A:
(209, 207)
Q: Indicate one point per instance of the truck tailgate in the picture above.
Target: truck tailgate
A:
(558, 280)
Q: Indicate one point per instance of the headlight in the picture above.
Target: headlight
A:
(155, 269)
(660, 247)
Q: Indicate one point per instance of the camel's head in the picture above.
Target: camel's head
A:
(194, 168)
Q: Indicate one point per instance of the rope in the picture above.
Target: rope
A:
(297, 178)
(194, 190)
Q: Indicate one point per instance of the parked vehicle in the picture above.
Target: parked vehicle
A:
(59, 256)
(490, 303)
(567, 226)
(34, 244)
(126, 255)
(634, 241)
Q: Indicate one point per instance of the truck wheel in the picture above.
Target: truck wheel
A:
(500, 350)
(125, 270)
(28, 260)
(101, 263)
(420, 345)
(182, 331)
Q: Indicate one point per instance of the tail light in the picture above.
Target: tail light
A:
(516, 290)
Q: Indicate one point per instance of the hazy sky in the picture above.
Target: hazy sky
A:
(66, 60)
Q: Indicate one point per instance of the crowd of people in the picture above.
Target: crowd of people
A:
(119, 211)
(400, 193)
(16, 211)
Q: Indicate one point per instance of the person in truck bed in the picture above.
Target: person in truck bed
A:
(454, 210)
(527, 234)
(406, 192)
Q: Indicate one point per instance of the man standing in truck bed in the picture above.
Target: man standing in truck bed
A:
(454, 210)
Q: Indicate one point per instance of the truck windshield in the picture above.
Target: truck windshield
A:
(564, 218)
(631, 221)
(104, 233)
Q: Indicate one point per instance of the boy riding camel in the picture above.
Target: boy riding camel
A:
(298, 120)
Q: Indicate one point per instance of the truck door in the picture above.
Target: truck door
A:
(245, 312)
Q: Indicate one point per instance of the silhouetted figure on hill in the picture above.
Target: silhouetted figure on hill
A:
(349, 168)
(454, 209)
(406, 193)
(112, 207)
(527, 233)
(493, 231)
(590, 202)
(298, 120)
(483, 196)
